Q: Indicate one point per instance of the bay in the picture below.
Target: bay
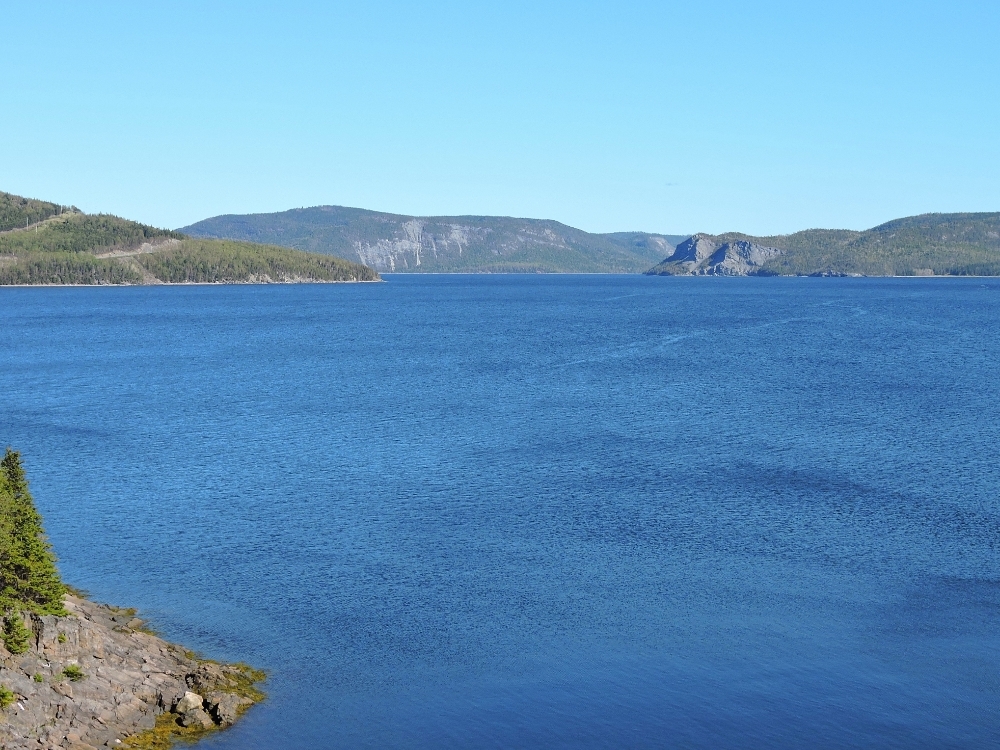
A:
(552, 511)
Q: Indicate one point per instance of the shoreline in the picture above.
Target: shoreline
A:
(435, 273)
(99, 677)
(681, 275)
(190, 283)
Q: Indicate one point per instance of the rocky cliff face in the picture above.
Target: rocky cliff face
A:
(702, 255)
(94, 679)
(436, 243)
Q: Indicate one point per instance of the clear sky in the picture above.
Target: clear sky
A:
(763, 117)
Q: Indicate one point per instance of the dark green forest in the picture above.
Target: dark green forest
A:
(17, 212)
(945, 244)
(220, 261)
(67, 268)
(82, 233)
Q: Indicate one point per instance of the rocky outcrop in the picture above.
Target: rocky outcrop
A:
(702, 255)
(694, 250)
(96, 679)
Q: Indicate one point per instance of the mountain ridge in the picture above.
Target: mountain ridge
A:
(926, 244)
(402, 243)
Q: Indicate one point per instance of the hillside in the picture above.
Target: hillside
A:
(444, 244)
(19, 213)
(930, 244)
(70, 247)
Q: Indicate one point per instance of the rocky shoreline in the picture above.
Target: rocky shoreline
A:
(98, 678)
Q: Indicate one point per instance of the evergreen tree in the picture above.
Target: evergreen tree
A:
(16, 637)
(28, 576)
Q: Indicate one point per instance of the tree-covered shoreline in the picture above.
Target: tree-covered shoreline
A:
(43, 244)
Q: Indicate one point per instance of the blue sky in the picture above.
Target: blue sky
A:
(764, 117)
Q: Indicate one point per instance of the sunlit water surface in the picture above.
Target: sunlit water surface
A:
(539, 512)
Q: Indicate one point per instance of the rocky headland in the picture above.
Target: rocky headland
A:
(96, 678)
(702, 255)
(80, 675)
(928, 245)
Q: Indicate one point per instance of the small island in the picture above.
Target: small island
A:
(80, 675)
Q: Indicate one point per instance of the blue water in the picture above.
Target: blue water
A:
(539, 512)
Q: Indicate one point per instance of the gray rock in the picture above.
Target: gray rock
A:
(189, 702)
(197, 717)
(702, 255)
(100, 736)
(169, 695)
(206, 676)
(693, 250)
(64, 689)
(225, 707)
(738, 258)
(147, 721)
(131, 678)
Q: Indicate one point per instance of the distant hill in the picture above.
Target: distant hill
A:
(20, 213)
(444, 244)
(65, 246)
(930, 244)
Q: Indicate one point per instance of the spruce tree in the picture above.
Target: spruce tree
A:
(28, 576)
(16, 637)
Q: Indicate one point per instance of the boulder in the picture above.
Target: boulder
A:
(225, 707)
(169, 696)
(191, 710)
(189, 702)
(197, 717)
(206, 677)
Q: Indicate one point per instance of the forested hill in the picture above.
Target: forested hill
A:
(17, 212)
(65, 246)
(961, 244)
(444, 244)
